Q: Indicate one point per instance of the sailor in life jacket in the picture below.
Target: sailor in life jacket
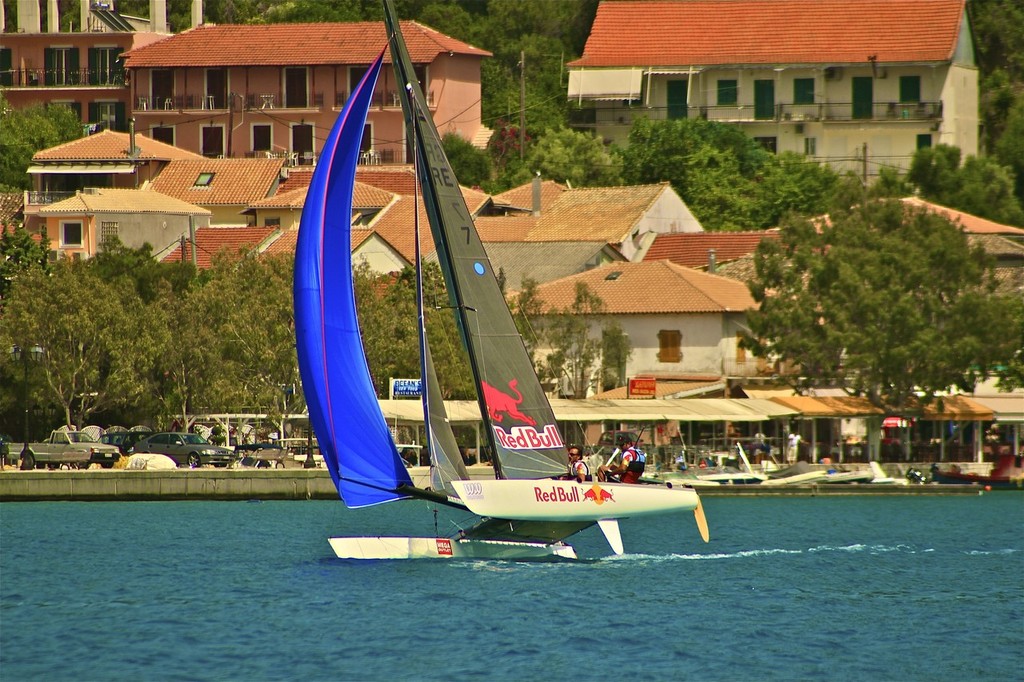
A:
(578, 469)
(631, 465)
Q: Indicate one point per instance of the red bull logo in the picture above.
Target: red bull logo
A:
(501, 405)
(557, 494)
(529, 438)
(598, 495)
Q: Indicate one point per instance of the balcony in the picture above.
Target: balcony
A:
(619, 115)
(389, 99)
(62, 78)
(47, 198)
(266, 100)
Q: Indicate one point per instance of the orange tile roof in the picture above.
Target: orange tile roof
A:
(291, 199)
(363, 196)
(653, 33)
(297, 177)
(691, 248)
(112, 146)
(395, 226)
(282, 44)
(522, 197)
(504, 228)
(368, 196)
(107, 200)
(596, 213)
(651, 287)
(397, 179)
(211, 241)
(235, 181)
(284, 244)
(971, 224)
(12, 205)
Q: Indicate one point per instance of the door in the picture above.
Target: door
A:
(216, 89)
(213, 141)
(676, 99)
(295, 93)
(162, 85)
(302, 143)
(863, 96)
(764, 100)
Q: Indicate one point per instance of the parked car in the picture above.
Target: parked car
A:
(124, 440)
(186, 449)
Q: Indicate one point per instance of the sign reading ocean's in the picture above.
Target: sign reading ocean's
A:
(343, 409)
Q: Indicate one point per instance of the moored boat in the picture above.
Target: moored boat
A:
(1006, 474)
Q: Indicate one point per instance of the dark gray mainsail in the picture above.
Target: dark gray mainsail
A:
(518, 419)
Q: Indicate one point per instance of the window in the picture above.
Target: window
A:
(162, 88)
(6, 72)
(108, 230)
(261, 138)
(73, 106)
(213, 141)
(105, 66)
(71, 234)
(803, 91)
(163, 134)
(295, 91)
(769, 143)
(811, 146)
(108, 115)
(670, 345)
(204, 180)
(924, 141)
(302, 142)
(727, 92)
(910, 88)
(216, 89)
(271, 222)
(61, 65)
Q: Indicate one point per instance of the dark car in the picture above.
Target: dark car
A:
(186, 449)
(124, 440)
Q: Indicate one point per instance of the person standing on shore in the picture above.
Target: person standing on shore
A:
(792, 453)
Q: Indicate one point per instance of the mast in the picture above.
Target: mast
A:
(519, 423)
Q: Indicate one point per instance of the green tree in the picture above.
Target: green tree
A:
(149, 276)
(27, 130)
(1010, 148)
(95, 353)
(981, 186)
(575, 357)
(472, 166)
(19, 252)
(570, 157)
(885, 300)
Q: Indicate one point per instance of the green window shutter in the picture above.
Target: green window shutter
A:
(94, 66)
(116, 66)
(73, 75)
(94, 112)
(924, 141)
(727, 92)
(910, 88)
(120, 120)
(6, 75)
(50, 66)
(803, 91)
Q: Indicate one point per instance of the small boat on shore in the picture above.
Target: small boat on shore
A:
(800, 473)
(1006, 474)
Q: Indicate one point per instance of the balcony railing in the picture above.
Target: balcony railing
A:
(617, 115)
(380, 99)
(267, 100)
(47, 198)
(252, 102)
(61, 78)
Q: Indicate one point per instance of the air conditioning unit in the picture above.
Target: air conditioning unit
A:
(833, 73)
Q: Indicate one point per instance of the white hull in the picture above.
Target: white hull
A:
(798, 479)
(550, 500)
(445, 548)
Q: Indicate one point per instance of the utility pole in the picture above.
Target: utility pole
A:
(522, 103)
(864, 164)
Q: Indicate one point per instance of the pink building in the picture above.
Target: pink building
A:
(275, 90)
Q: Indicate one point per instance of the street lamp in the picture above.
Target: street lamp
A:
(26, 356)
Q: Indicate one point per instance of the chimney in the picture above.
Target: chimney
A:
(536, 195)
(158, 16)
(52, 17)
(711, 261)
(83, 15)
(28, 16)
(3, 19)
(197, 13)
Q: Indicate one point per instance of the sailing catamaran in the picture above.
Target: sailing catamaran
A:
(526, 511)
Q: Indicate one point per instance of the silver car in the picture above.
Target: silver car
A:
(186, 449)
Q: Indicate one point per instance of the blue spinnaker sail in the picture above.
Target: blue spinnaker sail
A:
(346, 417)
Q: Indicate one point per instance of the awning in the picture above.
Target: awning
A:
(847, 407)
(957, 408)
(78, 168)
(605, 83)
(1005, 408)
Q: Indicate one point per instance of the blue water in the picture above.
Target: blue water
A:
(901, 588)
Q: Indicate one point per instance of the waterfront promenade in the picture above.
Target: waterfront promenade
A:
(315, 484)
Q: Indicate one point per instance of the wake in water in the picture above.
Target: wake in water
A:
(819, 549)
